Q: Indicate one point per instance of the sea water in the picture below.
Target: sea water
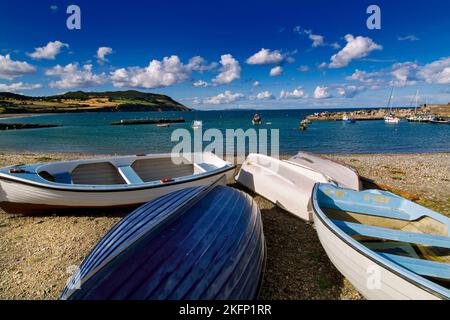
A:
(92, 133)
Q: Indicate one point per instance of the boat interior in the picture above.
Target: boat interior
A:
(125, 170)
(399, 230)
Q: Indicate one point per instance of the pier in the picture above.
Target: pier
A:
(146, 121)
(18, 126)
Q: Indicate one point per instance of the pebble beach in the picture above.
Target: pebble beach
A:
(37, 252)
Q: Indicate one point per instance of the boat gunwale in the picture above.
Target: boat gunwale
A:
(115, 187)
(398, 270)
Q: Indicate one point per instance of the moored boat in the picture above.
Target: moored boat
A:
(104, 182)
(199, 243)
(346, 119)
(288, 184)
(440, 121)
(386, 246)
(197, 124)
(256, 119)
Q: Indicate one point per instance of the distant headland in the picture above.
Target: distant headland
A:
(80, 101)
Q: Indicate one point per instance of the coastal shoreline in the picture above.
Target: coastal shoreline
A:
(35, 251)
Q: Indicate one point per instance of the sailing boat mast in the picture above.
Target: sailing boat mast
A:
(417, 101)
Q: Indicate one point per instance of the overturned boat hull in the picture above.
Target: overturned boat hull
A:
(287, 185)
(198, 243)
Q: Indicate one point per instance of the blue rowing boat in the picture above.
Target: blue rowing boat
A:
(386, 246)
(199, 243)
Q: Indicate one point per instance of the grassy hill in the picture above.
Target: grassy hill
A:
(80, 101)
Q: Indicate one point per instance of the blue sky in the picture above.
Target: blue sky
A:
(233, 54)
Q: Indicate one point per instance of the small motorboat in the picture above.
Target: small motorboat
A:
(198, 243)
(197, 124)
(104, 182)
(386, 246)
(346, 119)
(288, 184)
(256, 119)
(440, 121)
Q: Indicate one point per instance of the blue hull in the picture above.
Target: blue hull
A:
(197, 243)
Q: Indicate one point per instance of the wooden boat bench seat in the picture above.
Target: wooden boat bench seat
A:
(394, 235)
(205, 166)
(423, 267)
(63, 177)
(129, 175)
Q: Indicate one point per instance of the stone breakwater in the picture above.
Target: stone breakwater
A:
(379, 114)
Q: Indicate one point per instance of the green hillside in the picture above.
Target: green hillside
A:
(80, 101)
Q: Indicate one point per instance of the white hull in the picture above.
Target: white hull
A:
(363, 273)
(287, 185)
(19, 195)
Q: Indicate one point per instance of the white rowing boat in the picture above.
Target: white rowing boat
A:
(289, 183)
(386, 246)
(105, 182)
(343, 175)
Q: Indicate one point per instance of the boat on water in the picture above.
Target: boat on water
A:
(416, 117)
(346, 119)
(101, 183)
(198, 243)
(163, 125)
(391, 118)
(289, 184)
(440, 121)
(197, 124)
(256, 119)
(386, 246)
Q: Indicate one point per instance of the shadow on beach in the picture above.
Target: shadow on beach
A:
(297, 266)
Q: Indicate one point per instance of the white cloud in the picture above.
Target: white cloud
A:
(350, 91)
(321, 92)
(317, 40)
(256, 83)
(11, 69)
(303, 68)
(335, 45)
(54, 8)
(266, 56)
(200, 83)
(49, 51)
(102, 52)
(355, 48)
(157, 74)
(436, 72)
(276, 71)
(18, 86)
(265, 95)
(73, 77)
(297, 93)
(224, 98)
(230, 70)
(199, 64)
(402, 74)
(410, 37)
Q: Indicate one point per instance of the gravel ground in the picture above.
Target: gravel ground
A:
(36, 252)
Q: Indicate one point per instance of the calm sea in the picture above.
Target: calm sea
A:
(92, 133)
